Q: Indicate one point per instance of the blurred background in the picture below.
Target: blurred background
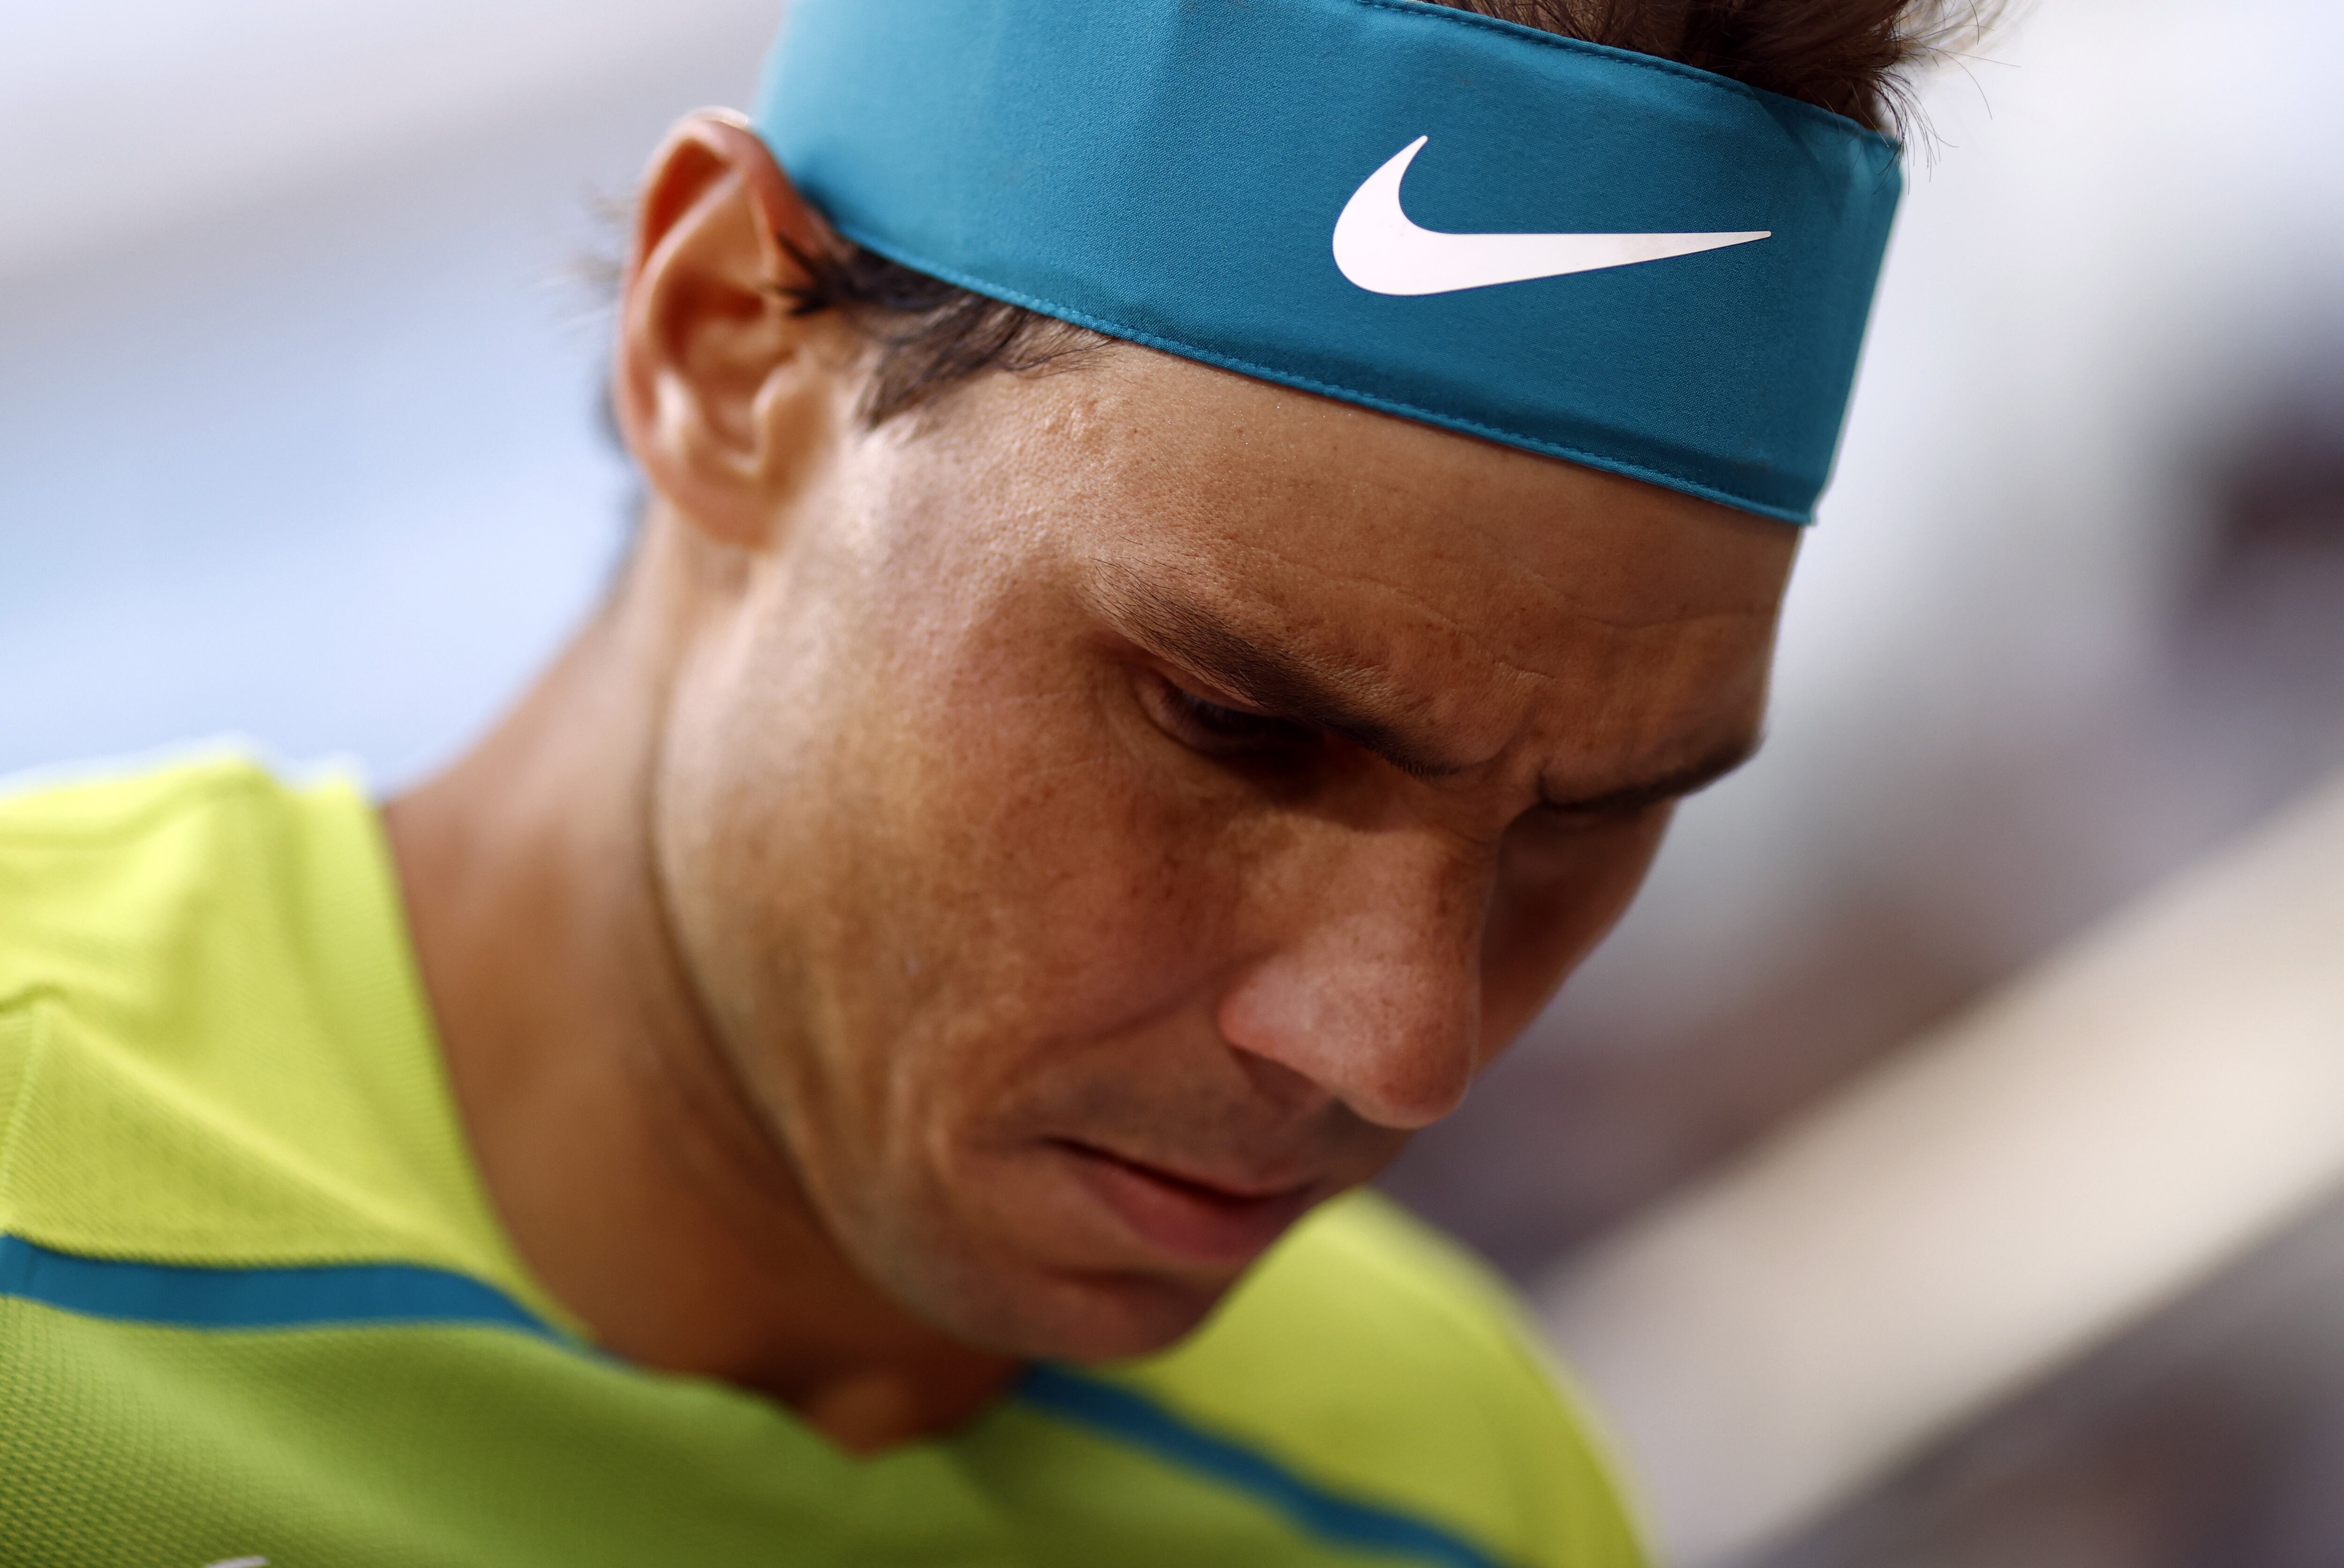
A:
(300, 361)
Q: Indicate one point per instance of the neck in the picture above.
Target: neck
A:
(612, 1134)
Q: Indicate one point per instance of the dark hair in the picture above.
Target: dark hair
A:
(1850, 56)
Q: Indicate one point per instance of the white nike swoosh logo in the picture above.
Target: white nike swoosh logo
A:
(1383, 252)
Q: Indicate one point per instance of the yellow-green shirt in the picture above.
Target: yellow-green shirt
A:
(254, 1304)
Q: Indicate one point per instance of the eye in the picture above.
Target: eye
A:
(1550, 829)
(1218, 730)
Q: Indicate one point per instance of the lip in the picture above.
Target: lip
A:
(1196, 1221)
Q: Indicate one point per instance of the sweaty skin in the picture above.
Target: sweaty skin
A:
(978, 881)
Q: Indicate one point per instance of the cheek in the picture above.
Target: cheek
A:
(1551, 903)
(920, 888)
(1082, 897)
(736, 852)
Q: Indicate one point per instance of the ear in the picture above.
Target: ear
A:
(726, 399)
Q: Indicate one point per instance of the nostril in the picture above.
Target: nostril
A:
(1280, 1085)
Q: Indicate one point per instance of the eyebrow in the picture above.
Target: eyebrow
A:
(1292, 689)
(1281, 685)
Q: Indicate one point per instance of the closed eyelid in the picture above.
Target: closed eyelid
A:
(1197, 689)
(1665, 790)
(1182, 635)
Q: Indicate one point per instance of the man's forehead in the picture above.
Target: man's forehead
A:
(1187, 471)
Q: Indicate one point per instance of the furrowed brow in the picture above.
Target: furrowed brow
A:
(1282, 686)
(1288, 687)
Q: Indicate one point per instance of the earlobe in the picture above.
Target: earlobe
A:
(720, 400)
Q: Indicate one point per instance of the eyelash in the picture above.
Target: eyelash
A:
(1218, 730)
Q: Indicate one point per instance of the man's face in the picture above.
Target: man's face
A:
(1116, 813)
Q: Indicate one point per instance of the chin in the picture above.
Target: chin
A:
(1022, 1307)
(1103, 1317)
(1047, 1256)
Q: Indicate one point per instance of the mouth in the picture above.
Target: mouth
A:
(1194, 1219)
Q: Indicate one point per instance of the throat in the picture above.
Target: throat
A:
(869, 1412)
(761, 1295)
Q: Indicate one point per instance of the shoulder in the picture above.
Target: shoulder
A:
(1375, 1357)
(102, 880)
(111, 805)
(62, 844)
(137, 902)
(213, 1047)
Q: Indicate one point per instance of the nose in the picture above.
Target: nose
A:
(1368, 985)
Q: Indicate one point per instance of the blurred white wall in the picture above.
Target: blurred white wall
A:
(2045, 1173)
(297, 381)
(119, 118)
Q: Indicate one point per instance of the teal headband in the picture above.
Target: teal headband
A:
(1621, 261)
